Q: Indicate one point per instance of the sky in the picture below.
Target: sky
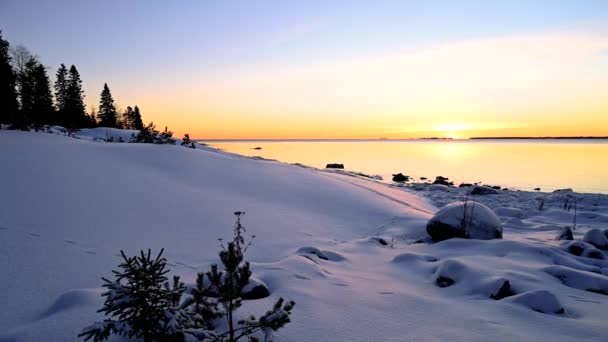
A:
(333, 69)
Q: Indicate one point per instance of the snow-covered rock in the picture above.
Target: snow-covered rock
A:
(470, 220)
(439, 187)
(597, 238)
(538, 300)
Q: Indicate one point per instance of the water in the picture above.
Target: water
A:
(517, 164)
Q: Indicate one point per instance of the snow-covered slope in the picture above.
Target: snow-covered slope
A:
(68, 206)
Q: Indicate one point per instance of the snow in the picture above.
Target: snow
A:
(68, 205)
(597, 238)
(465, 219)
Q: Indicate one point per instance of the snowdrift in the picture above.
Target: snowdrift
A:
(343, 247)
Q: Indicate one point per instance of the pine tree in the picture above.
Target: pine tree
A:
(8, 95)
(61, 90)
(74, 100)
(43, 111)
(136, 122)
(26, 86)
(107, 110)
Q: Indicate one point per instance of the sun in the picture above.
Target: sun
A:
(452, 130)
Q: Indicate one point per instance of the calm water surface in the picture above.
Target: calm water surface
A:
(517, 164)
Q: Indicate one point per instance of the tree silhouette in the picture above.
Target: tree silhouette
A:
(107, 110)
(136, 122)
(61, 90)
(43, 111)
(8, 96)
(74, 101)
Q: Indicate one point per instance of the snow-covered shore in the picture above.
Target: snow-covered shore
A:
(68, 206)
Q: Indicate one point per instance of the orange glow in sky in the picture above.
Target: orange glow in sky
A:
(551, 84)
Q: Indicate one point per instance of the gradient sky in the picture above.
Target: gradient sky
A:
(334, 69)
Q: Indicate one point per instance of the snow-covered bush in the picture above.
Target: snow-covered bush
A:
(138, 300)
(187, 142)
(149, 135)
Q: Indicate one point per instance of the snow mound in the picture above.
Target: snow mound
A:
(581, 280)
(541, 301)
(509, 212)
(471, 220)
(597, 238)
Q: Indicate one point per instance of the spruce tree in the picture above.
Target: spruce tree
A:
(107, 110)
(43, 111)
(74, 101)
(136, 122)
(26, 94)
(8, 96)
(61, 90)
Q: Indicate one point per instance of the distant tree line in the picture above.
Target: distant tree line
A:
(27, 101)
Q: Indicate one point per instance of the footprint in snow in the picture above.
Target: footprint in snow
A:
(71, 242)
(34, 234)
(386, 293)
(298, 276)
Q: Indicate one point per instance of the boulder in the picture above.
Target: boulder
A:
(482, 190)
(441, 180)
(597, 238)
(255, 289)
(470, 220)
(400, 177)
(565, 234)
(334, 166)
(465, 185)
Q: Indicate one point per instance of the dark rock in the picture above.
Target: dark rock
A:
(400, 177)
(482, 190)
(595, 254)
(503, 292)
(465, 185)
(565, 234)
(442, 281)
(423, 178)
(441, 180)
(380, 241)
(496, 187)
(537, 189)
(334, 166)
(255, 289)
(576, 249)
(257, 148)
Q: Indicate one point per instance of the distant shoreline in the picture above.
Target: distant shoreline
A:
(539, 138)
(413, 139)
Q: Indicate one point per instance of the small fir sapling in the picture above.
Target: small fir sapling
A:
(229, 284)
(141, 303)
(136, 300)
